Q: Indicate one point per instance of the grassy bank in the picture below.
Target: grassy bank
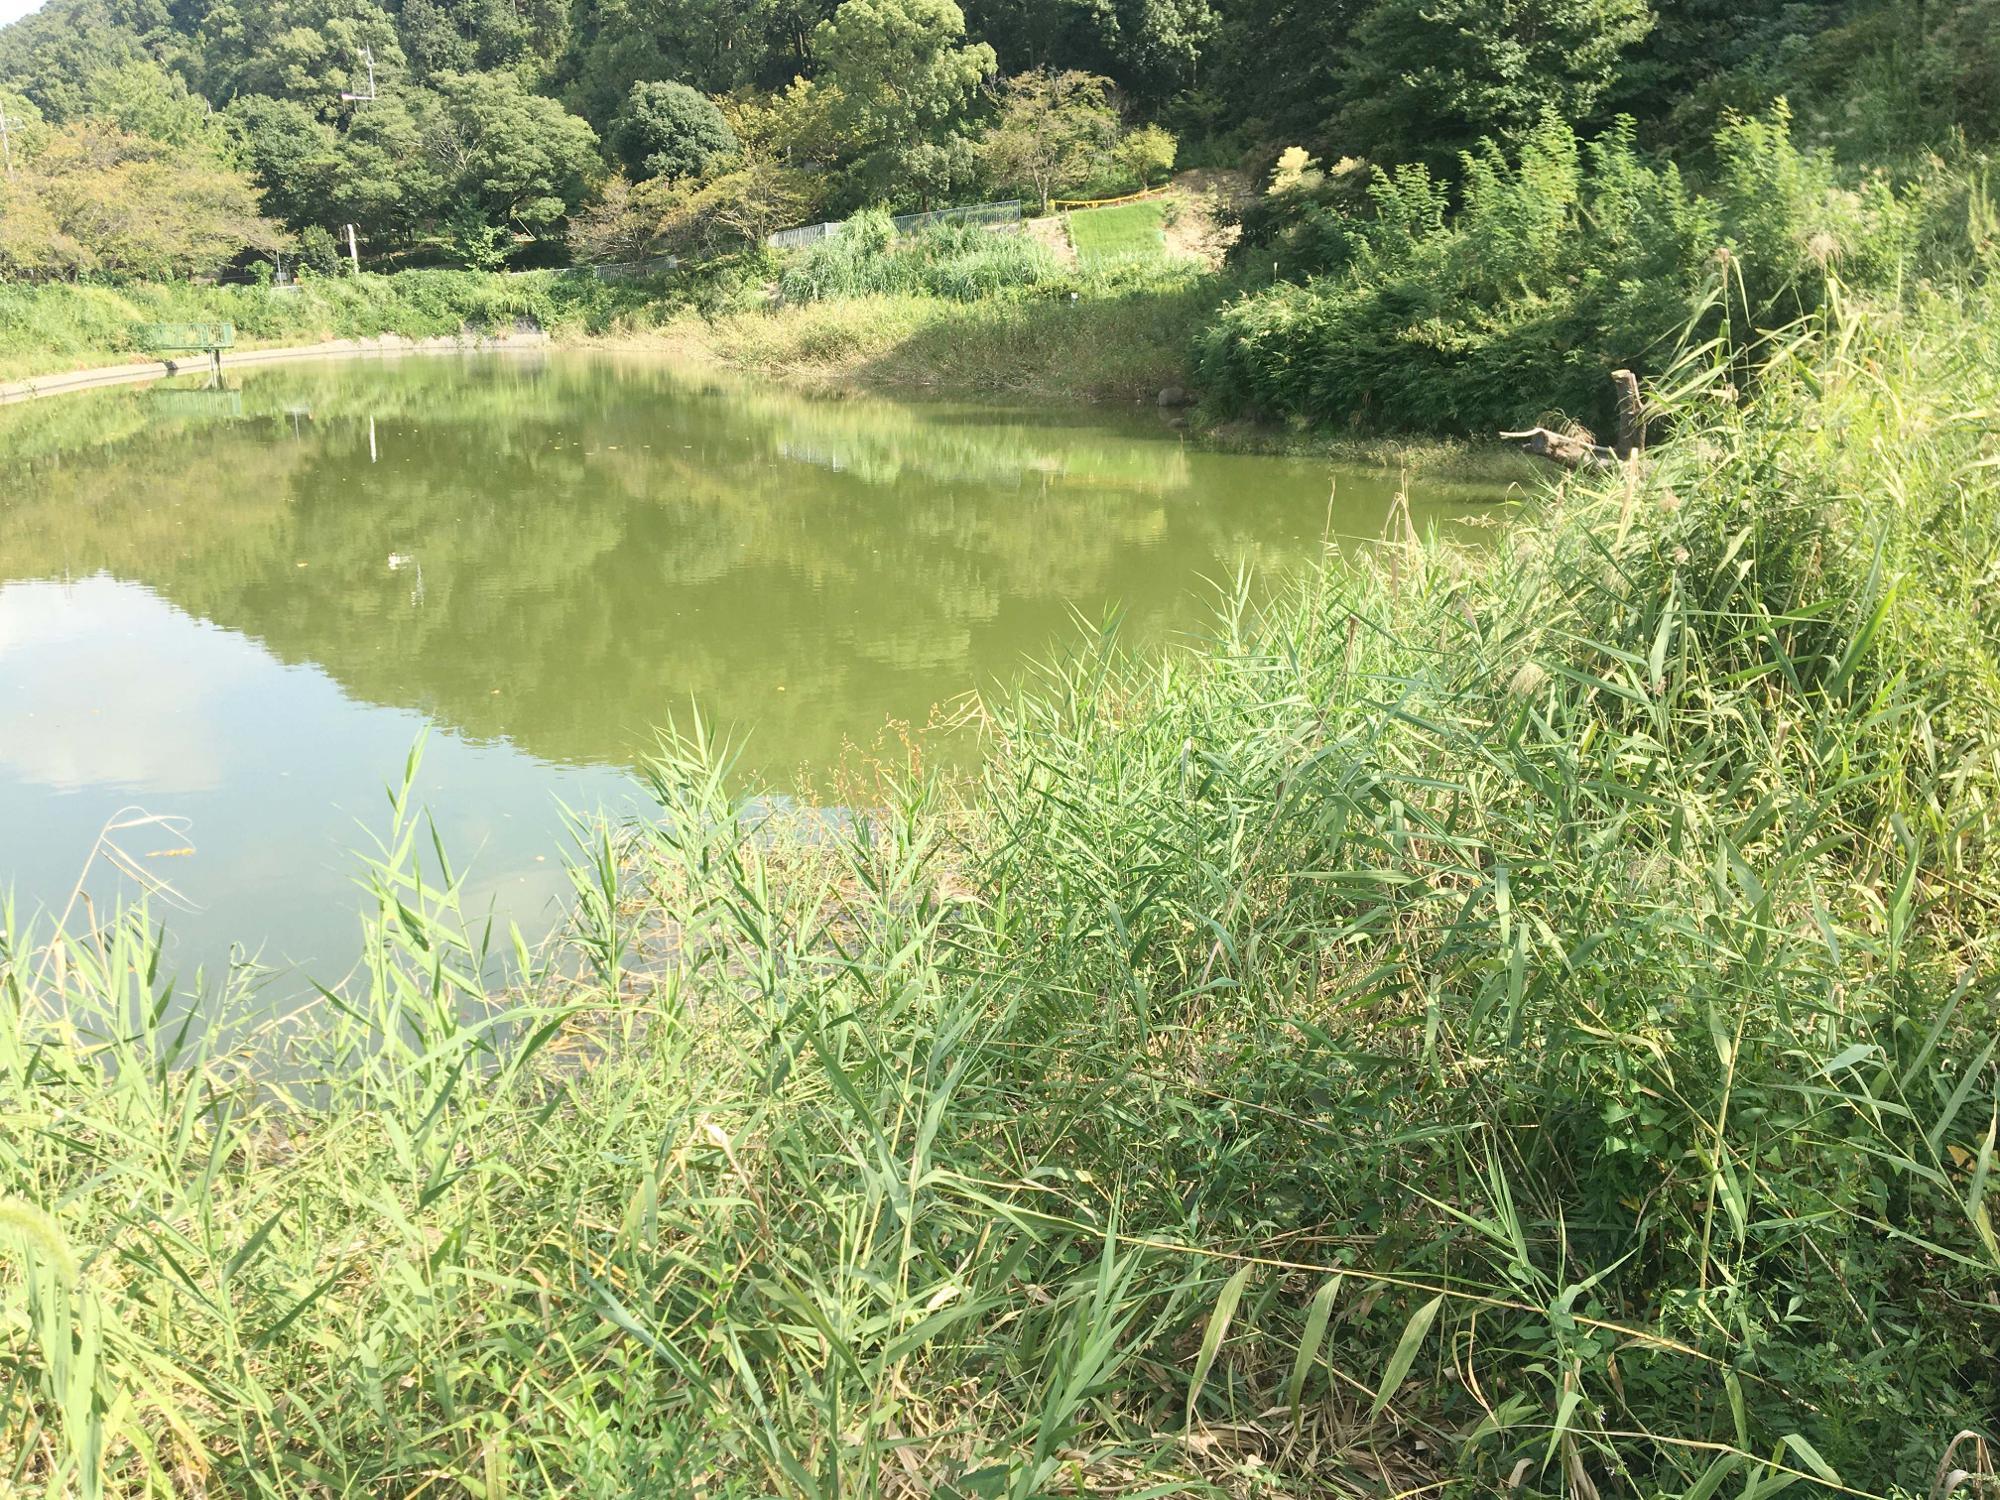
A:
(1522, 1020)
(53, 327)
(1118, 340)
(1108, 346)
(1125, 337)
(956, 309)
(970, 311)
(1124, 232)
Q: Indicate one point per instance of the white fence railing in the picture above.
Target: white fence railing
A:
(993, 215)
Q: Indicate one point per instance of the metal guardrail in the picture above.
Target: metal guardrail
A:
(805, 234)
(185, 338)
(210, 404)
(1007, 211)
(1139, 197)
(629, 270)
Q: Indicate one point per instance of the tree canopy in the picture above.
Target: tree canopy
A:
(1428, 79)
(91, 199)
(490, 123)
(904, 80)
(671, 130)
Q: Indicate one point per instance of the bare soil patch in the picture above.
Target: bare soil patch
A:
(1205, 227)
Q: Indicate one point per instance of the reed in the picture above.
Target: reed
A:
(953, 262)
(1520, 1021)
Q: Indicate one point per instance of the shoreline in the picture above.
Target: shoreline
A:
(758, 351)
(133, 372)
(709, 346)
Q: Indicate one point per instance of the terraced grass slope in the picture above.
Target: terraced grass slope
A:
(1124, 231)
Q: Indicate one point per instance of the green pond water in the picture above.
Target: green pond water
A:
(239, 609)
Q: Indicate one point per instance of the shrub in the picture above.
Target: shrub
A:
(1560, 263)
(318, 251)
(1793, 224)
(671, 130)
(1145, 155)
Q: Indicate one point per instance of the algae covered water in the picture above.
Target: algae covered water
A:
(226, 615)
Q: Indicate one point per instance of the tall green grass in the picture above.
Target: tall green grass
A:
(1122, 338)
(956, 262)
(1125, 231)
(1513, 1023)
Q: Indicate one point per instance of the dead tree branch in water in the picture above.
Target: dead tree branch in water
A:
(1575, 450)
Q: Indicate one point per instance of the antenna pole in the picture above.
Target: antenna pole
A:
(368, 57)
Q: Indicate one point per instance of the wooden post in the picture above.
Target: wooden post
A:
(1631, 414)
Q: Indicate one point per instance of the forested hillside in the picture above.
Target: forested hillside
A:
(477, 133)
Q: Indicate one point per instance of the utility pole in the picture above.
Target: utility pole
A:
(6, 143)
(368, 57)
(368, 60)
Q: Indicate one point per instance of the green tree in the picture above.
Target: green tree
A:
(27, 132)
(474, 243)
(95, 200)
(1151, 49)
(1704, 57)
(1961, 54)
(904, 81)
(622, 222)
(714, 46)
(797, 125)
(939, 171)
(463, 36)
(380, 173)
(519, 159)
(51, 55)
(318, 250)
(738, 210)
(671, 130)
(1036, 35)
(1271, 70)
(290, 151)
(433, 41)
(307, 50)
(1427, 79)
(145, 99)
(1146, 155)
(1053, 134)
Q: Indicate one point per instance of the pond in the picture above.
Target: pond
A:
(239, 609)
